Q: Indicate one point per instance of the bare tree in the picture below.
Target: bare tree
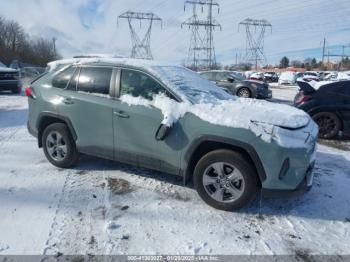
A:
(15, 44)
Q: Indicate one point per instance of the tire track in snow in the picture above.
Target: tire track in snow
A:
(80, 216)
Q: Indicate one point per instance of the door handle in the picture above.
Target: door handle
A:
(121, 114)
(68, 101)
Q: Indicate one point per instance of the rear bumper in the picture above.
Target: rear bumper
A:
(9, 84)
(31, 130)
(304, 186)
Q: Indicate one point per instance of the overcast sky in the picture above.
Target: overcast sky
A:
(90, 26)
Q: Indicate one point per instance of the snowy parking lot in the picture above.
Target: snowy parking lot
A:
(103, 207)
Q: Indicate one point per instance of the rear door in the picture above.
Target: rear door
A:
(87, 103)
(136, 123)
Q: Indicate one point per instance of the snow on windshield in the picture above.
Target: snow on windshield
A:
(188, 83)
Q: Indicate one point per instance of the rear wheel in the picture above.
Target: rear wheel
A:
(329, 124)
(59, 146)
(225, 180)
(244, 92)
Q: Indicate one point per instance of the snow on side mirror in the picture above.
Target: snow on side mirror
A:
(162, 132)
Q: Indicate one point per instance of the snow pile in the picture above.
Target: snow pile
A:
(171, 110)
(264, 119)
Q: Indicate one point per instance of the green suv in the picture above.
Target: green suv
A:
(168, 118)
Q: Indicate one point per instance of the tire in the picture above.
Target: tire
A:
(329, 124)
(16, 90)
(236, 193)
(244, 92)
(59, 146)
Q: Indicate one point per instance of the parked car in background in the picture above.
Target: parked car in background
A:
(287, 78)
(271, 77)
(31, 72)
(307, 76)
(9, 79)
(168, 118)
(238, 85)
(257, 76)
(343, 76)
(328, 104)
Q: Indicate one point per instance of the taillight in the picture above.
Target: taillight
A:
(302, 99)
(29, 92)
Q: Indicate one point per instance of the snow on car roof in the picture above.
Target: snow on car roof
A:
(108, 60)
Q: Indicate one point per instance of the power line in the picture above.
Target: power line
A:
(255, 40)
(141, 47)
(201, 53)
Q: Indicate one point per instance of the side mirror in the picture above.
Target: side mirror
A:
(231, 79)
(162, 132)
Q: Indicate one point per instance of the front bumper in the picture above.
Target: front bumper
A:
(304, 186)
(265, 93)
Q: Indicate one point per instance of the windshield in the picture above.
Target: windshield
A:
(190, 84)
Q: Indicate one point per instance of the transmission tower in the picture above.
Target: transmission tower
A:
(255, 33)
(201, 53)
(141, 47)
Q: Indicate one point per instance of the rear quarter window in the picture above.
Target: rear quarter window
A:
(61, 79)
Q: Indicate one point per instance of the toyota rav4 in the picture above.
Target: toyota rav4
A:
(168, 118)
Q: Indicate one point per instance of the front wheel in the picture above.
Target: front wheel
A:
(59, 146)
(244, 92)
(329, 124)
(225, 180)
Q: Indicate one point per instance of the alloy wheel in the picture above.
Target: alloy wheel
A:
(223, 182)
(56, 146)
(244, 92)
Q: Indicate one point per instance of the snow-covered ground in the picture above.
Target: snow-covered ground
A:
(103, 207)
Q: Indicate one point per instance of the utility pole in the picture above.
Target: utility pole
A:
(328, 54)
(141, 47)
(323, 50)
(201, 53)
(54, 46)
(255, 40)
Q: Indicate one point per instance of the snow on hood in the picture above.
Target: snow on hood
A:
(260, 117)
(241, 112)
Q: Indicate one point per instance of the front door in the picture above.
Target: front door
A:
(136, 122)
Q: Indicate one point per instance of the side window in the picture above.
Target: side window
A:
(137, 84)
(221, 77)
(61, 79)
(209, 76)
(95, 80)
(72, 85)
